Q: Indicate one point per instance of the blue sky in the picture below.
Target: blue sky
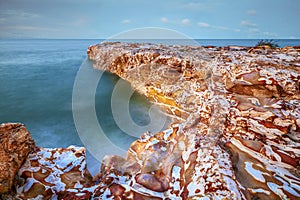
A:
(203, 19)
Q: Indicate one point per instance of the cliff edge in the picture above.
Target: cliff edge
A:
(236, 114)
(235, 131)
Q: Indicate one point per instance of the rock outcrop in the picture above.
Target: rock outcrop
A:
(236, 128)
(31, 172)
(235, 132)
(58, 173)
(15, 144)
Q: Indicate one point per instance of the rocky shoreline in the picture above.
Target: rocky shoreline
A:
(235, 131)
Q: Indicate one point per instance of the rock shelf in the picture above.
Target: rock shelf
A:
(235, 131)
(236, 114)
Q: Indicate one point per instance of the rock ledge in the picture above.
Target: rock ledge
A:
(235, 132)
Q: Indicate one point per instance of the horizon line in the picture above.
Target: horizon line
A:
(8, 38)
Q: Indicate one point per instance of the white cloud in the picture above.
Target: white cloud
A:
(206, 25)
(29, 28)
(292, 37)
(268, 34)
(251, 12)
(185, 21)
(248, 24)
(253, 30)
(19, 14)
(221, 27)
(203, 25)
(196, 6)
(126, 21)
(164, 20)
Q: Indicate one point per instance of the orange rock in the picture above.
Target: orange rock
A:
(15, 145)
(239, 121)
(52, 173)
(234, 132)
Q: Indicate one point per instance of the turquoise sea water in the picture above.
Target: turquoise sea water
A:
(36, 84)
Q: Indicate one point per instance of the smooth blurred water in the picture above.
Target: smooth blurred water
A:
(36, 83)
(36, 87)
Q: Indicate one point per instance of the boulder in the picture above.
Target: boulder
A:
(15, 144)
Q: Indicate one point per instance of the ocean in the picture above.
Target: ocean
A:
(36, 85)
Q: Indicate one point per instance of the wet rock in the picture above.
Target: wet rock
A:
(15, 144)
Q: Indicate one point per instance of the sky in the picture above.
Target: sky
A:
(200, 19)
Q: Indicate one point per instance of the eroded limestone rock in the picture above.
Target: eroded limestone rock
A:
(170, 165)
(235, 132)
(239, 116)
(15, 144)
(58, 173)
